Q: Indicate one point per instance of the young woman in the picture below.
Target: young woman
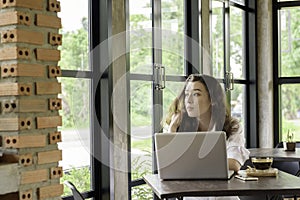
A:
(201, 106)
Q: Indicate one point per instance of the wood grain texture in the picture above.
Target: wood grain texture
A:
(34, 176)
(9, 124)
(13, 53)
(23, 105)
(22, 159)
(49, 122)
(22, 70)
(48, 55)
(48, 21)
(32, 105)
(49, 156)
(284, 183)
(32, 4)
(47, 88)
(50, 191)
(22, 36)
(15, 124)
(15, 17)
(25, 141)
(15, 89)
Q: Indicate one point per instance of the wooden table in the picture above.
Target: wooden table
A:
(283, 184)
(278, 154)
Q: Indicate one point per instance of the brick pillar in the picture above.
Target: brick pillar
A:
(29, 103)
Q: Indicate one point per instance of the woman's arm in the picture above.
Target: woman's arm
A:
(234, 164)
(236, 151)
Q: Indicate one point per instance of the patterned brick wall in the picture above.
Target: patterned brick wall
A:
(29, 103)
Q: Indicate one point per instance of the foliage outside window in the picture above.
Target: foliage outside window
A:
(141, 63)
(217, 39)
(76, 108)
(289, 67)
(236, 52)
(141, 44)
(172, 13)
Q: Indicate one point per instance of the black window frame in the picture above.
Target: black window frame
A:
(100, 17)
(250, 81)
(279, 81)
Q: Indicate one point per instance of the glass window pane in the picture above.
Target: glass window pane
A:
(290, 110)
(290, 41)
(75, 132)
(141, 129)
(74, 48)
(171, 91)
(237, 43)
(242, 2)
(140, 36)
(217, 39)
(173, 36)
(238, 104)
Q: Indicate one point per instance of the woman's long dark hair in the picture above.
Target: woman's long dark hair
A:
(220, 118)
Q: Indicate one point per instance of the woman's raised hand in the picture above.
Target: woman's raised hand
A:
(175, 122)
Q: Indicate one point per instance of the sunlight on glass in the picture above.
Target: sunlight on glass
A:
(290, 110)
(217, 39)
(74, 49)
(242, 2)
(141, 128)
(140, 34)
(75, 131)
(75, 95)
(173, 36)
(238, 104)
(290, 41)
(236, 43)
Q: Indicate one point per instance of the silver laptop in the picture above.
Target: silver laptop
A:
(192, 155)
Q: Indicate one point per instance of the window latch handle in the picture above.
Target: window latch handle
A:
(229, 82)
(159, 77)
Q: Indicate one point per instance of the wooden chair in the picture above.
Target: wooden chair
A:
(289, 167)
(76, 194)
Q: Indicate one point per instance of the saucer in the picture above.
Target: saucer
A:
(259, 172)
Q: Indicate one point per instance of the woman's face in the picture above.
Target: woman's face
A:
(197, 100)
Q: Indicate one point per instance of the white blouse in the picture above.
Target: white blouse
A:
(236, 147)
